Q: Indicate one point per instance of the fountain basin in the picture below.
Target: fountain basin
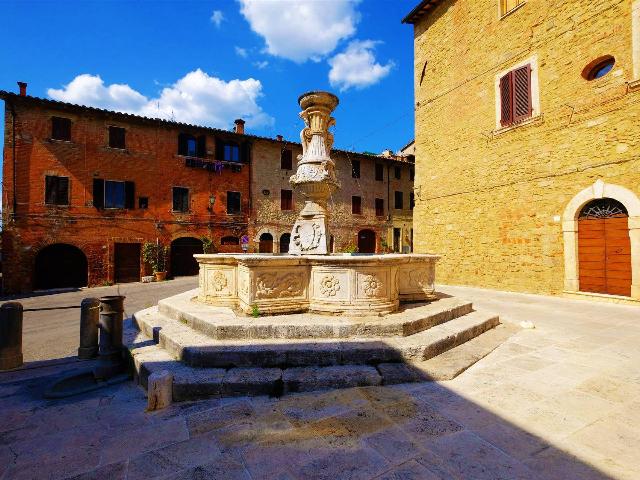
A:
(330, 284)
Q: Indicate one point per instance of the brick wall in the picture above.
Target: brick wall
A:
(491, 201)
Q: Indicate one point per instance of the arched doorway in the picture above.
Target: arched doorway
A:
(182, 252)
(266, 243)
(284, 242)
(60, 266)
(604, 248)
(366, 241)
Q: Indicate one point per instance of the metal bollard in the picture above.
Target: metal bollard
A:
(111, 317)
(10, 335)
(89, 321)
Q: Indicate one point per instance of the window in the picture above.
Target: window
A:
(411, 201)
(286, 199)
(599, 68)
(143, 203)
(56, 190)
(356, 205)
(379, 172)
(231, 153)
(507, 5)
(190, 146)
(60, 128)
(412, 174)
(229, 241)
(117, 194)
(515, 96)
(286, 159)
(117, 137)
(355, 168)
(379, 207)
(398, 201)
(397, 172)
(233, 203)
(180, 199)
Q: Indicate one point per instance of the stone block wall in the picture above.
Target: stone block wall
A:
(490, 200)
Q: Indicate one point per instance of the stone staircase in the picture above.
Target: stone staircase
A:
(214, 352)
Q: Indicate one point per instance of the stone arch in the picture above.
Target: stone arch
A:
(596, 191)
(60, 265)
(265, 243)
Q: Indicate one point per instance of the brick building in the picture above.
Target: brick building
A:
(84, 189)
(372, 211)
(527, 138)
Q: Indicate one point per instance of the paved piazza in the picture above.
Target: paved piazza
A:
(561, 401)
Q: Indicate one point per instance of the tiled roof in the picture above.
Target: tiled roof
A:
(423, 8)
(5, 95)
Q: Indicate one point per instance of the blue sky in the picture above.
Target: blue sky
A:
(208, 62)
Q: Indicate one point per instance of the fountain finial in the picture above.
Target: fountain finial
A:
(315, 176)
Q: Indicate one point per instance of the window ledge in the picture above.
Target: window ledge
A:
(59, 140)
(513, 10)
(116, 149)
(634, 86)
(538, 119)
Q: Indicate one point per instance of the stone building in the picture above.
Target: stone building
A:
(527, 138)
(371, 212)
(84, 189)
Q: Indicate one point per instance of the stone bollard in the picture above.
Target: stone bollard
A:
(10, 335)
(159, 390)
(111, 318)
(89, 321)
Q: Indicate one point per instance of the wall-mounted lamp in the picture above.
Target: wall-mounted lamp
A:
(212, 201)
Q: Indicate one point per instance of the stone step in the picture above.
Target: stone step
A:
(223, 324)
(199, 350)
(191, 383)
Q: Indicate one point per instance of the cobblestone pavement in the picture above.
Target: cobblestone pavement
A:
(55, 333)
(561, 401)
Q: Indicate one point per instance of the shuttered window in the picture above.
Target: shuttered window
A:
(356, 205)
(286, 159)
(379, 172)
(117, 137)
(180, 199)
(56, 190)
(399, 204)
(379, 207)
(286, 200)
(355, 168)
(113, 194)
(233, 203)
(60, 128)
(515, 96)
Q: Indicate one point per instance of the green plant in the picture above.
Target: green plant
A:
(384, 245)
(255, 311)
(207, 245)
(156, 255)
(351, 248)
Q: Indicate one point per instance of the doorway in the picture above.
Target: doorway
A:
(366, 241)
(182, 252)
(266, 243)
(126, 262)
(60, 266)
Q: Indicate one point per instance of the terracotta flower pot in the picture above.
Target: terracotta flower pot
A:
(160, 276)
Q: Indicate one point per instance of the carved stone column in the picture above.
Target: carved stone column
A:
(315, 176)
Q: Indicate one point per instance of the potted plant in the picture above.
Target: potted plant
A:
(156, 256)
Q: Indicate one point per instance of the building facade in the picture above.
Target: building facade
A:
(527, 139)
(85, 189)
(371, 212)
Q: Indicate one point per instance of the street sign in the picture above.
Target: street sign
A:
(244, 240)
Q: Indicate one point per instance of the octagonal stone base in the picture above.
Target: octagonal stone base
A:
(330, 284)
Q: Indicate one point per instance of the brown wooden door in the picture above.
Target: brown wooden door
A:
(126, 262)
(366, 241)
(266, 243)
(604, 254)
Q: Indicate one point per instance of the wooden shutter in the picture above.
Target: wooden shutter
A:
(245, 152)
(506, 102)
(50, 184)
(201, 148)
(219, 149)
(129, 195)
(63, 191)
(521, 93)
(98, 193)
(182, 143)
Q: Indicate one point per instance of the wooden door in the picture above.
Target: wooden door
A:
(367, 241)
(604, 254)
(266, 243)
(126, 262)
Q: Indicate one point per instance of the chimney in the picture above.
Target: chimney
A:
(23, 88)
(279, 138)
(239, 126)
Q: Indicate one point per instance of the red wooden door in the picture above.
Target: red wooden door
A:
(604, 255)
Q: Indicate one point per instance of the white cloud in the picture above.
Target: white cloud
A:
(357, 67)
(242, 52)
(261, 65)
(216, 18)
(195, 98)
(301, 29)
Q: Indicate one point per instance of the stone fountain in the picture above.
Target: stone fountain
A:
(308, 278)
(321, 320)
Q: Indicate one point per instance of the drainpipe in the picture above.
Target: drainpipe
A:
(13, 154)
